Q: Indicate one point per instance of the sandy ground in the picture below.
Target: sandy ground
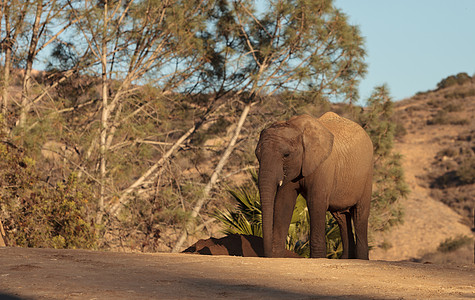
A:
(78, 274)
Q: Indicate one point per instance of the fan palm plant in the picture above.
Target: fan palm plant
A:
(246, 218)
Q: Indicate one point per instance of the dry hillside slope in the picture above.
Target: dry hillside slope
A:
(438, 145)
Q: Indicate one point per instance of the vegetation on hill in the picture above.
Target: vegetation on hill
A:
(459, 79)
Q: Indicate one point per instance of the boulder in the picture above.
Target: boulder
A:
(235, 245)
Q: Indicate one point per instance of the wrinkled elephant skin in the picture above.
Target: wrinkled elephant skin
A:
(329, 161)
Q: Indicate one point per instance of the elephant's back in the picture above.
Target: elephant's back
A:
(340, 126)
(346, 132)
(334, 122)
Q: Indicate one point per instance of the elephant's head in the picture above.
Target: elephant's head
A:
(286, 152)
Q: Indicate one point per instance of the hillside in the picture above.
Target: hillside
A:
(438, 158)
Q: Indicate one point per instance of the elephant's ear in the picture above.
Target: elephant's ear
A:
(258, 151)
(258, 146)
(317, 145)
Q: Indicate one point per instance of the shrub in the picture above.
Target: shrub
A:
(443, 118)
(464, 174)
(449, 152)
(36, 214)
(434, 102)
(246, 218)
(440, 118)
(451, 107)
(386, 245)
(460, 79)
(452, 244)
(388, 188)
(400, 130)
(218, 127)
(459, 122)
(460, 94)
(466, 171)
(446, 82)
(57, 218)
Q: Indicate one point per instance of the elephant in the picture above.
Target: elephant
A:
(329, 160)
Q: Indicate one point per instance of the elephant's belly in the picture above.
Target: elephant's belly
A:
(347, 188)
(343, 199)
(341, 207)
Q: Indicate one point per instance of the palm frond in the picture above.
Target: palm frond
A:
(246, 219)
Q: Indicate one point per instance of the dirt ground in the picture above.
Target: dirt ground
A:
(78, 274)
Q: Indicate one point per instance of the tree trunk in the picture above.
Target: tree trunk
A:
(6, 66)
(214, 177)
(25, 101)
(2, 235)
(6, 81)
(104, 118)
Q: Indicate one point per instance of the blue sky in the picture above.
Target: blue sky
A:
(413, 44)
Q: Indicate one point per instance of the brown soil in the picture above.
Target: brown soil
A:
(78, 274)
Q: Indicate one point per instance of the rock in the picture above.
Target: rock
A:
(235, 245)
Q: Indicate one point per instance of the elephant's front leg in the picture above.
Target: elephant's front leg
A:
(283, 209)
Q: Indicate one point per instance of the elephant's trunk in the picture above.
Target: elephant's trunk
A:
(269, 179)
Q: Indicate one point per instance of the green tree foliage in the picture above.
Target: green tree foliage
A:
(388, 177)
(295, 45)
(452, 244)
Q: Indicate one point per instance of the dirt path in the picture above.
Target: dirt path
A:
(77, 274)
(427, 222)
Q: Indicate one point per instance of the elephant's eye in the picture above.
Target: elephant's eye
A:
(286, 154)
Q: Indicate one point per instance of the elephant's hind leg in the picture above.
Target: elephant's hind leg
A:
(346, 231)
(361, 232)
(360, 220)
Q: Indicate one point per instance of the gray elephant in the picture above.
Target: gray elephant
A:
(329, 161)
